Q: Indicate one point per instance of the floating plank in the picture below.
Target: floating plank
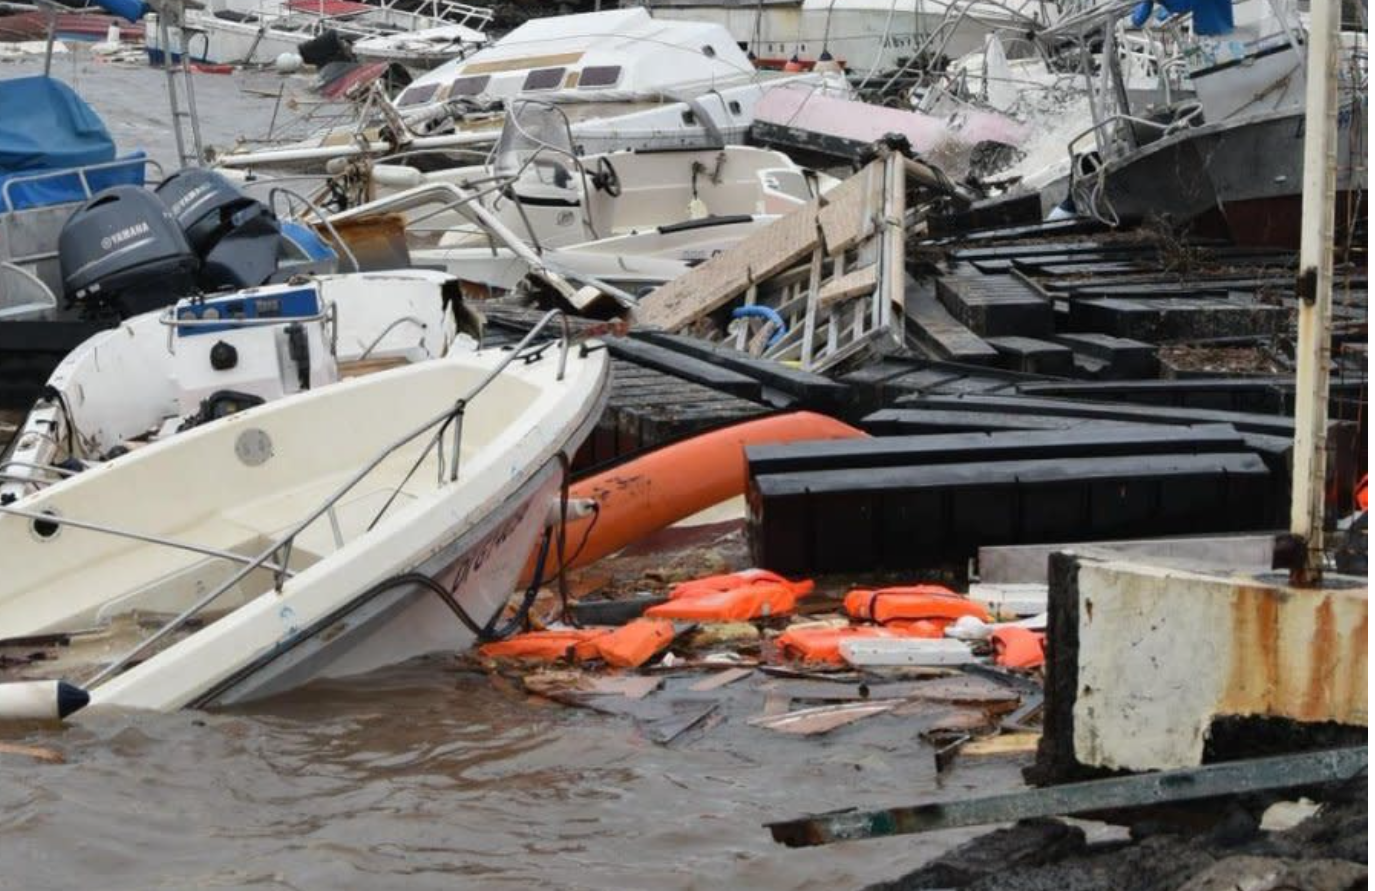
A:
(1117, 793)
(721, 679)
(824, 718)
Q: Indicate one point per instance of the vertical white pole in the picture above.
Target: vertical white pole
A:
(1315, 288)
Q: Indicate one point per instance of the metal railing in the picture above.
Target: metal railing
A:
(281, 547)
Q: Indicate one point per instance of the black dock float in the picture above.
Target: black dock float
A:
(919, 421)
(1107, 411)
(937, 332)
(790, 387)
(1178, 318)
(1121, 356)
(924, 517)
(707, 374)
(992, 305)
(968, 448)
(1027, 354)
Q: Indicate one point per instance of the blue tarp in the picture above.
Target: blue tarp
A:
(1211, 17)
(45, 126)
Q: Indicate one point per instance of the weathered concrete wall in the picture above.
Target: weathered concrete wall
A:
(1163, 652)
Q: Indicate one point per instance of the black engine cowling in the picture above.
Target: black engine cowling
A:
(236, 237)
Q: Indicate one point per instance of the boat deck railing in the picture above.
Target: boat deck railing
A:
(9, 214)
(276, 557)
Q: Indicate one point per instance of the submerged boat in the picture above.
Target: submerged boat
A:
(323, 535)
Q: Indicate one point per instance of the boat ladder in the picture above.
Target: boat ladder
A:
(176, 64)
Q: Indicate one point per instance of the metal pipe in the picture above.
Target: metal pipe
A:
(1314, 346)
(41, 517)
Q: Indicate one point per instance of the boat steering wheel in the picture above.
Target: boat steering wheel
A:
(606, 178)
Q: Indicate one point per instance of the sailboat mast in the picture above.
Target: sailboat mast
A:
(1314, 347)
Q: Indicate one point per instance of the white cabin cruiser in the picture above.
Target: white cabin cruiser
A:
(624, 80)
(425, 49)
(323, 535)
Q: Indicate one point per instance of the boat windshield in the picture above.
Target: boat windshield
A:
(536, 142)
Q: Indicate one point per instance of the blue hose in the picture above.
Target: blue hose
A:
(763, 312)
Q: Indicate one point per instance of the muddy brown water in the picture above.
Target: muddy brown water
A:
(424, 776)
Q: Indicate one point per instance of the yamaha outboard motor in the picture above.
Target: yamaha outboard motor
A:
(122, 253)
(235, 236)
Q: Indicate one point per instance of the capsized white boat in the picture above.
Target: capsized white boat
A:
(325, 534)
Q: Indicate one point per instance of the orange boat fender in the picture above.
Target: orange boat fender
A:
(656, 490)
(1016, 647)
(212, 68)
(1363, 493)
(757, 601)
(571, 644)
(822, 644)
(715, 584)
(911, 602)
(635, 643)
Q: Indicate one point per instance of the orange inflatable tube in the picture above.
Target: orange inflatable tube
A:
(668, 484)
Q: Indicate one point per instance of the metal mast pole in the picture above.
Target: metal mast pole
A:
(1314, 347)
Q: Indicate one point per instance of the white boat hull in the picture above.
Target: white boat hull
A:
(239, 484)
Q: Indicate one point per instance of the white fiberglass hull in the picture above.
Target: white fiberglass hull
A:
(237, 485)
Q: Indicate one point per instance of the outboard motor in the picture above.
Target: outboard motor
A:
(235, 236)
(122, 253)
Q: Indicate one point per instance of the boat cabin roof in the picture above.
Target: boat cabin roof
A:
(600, 56)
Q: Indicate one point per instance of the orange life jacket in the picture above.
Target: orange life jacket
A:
(751, 601)
(886, 605)
(1016, 647)
(715, 584)
(822, 644)
(573, 644)
(633, 644)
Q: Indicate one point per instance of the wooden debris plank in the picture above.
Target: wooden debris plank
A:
(848, 216)
(855, 283)
(721, 679)
(711, 285)
(811, 721)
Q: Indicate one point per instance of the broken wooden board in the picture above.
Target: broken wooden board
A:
(1002, 744)
(852, 284)
(825, 718)
(851, 207)
(37, 753)
(721, 679)
(713, 284)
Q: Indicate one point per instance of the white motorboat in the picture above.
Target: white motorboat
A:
(323, 535)
(248, 32)
(866, 36)
(420, 49)
(623, 79)
(627, 220)
(170, 370)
